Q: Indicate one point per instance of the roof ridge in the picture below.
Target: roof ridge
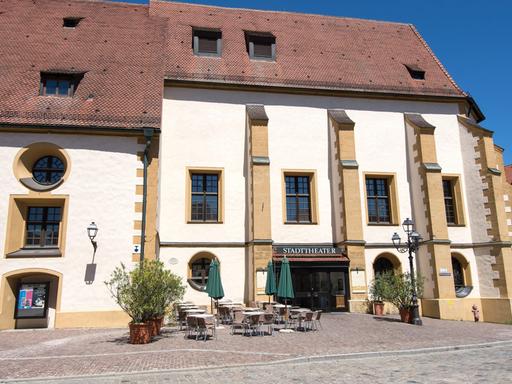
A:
(109, 2)
(274, 11)
(438, 62)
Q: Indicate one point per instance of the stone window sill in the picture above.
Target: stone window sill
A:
(35, 252)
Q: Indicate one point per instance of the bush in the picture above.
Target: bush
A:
(147, 291)
(378, 287)
(396, 288)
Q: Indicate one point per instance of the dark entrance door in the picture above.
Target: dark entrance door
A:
(320, 286)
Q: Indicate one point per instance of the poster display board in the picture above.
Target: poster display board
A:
(32, 301)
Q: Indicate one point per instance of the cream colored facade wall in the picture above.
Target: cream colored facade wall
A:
(205, 127)
(201, 134)
(380, 139)
(232, 270)
(101, 188)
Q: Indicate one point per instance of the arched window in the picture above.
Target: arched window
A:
(461, 275)
(458, 273)
(199, 267)
(386, 263)
(381, 265)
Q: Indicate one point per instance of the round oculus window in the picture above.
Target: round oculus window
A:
(48, 170)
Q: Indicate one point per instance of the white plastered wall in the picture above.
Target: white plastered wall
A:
(205, 127)
(232, 270)
(101, 188)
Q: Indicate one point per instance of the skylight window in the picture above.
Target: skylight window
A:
(261, 46)
(416, 72)
(207, 42)
(71, 22)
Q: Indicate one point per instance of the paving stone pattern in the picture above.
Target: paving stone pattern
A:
(76, 352)
(482, 366)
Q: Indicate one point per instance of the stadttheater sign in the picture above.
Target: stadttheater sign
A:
(308, 250)
(309, 253)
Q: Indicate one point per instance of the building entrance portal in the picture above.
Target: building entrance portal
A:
(319, 276)
(321, 287)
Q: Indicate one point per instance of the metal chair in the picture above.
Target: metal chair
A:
(191, 326)
(267, 319)
(253, 324)
(316, 320)
(308, 321)
(203, 325)
(238, 322)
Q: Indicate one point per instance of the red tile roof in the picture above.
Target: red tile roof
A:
(118, 46)
(312, 51)
(126, 50)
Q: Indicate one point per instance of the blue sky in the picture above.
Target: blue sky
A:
(472, 38)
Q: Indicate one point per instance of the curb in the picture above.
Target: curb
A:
(296, 360)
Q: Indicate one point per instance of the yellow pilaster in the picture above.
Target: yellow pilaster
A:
(352, 227)
(260, 249)
(436, 239)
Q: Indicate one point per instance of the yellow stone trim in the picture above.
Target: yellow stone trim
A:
(311, 173)
(188, 193)
(8, 293)
(395, 261)
(466, 268)
(260, 205)
(139, 190)
(139, 172)
(27, 156)
(393, 196)
(137, 207)
(458, 196)
(92, 319)
(16, 218)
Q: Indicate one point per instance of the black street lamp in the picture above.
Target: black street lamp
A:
(92, 231)
(412, 245)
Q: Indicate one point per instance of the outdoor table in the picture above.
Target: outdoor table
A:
(250, 313)
(280, 306)
(300, 310)
(251, 309)
(202, 315)
(195, 311)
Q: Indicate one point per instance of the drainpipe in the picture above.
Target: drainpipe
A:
(148, 134)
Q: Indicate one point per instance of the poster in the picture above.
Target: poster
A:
(32, 300)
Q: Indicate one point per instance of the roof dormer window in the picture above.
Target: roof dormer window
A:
(59, 84)
(207, 42)
(416, 72)
(261, 46)
(71, 22)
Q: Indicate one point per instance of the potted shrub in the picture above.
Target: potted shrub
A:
(165, 288)
(399, 292)
(144, 293)
(127, 290)
(378, 292)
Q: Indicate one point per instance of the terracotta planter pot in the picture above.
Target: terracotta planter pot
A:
(405, 315)
(378, 308)
(155, 325)
(159, 324)
(140, 333)
(153, 328)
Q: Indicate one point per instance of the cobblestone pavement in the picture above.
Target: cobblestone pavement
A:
(484, 366)
(79, 352)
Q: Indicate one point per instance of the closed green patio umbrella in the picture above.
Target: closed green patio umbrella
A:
(285, 287)
(214, 284)
(270, 286)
